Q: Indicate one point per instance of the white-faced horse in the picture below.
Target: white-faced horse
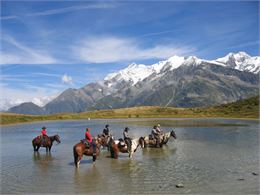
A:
(120, 146)
(164, 138)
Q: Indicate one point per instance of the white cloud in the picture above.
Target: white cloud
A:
(70, 9)
(10, 97)
(62, 10)
(66, 79)
(113, 49)
(22, 54)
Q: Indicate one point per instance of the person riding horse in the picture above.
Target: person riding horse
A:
(43, 134)
(89, 139)
(156, 132)
(127, 139)
(106, 131)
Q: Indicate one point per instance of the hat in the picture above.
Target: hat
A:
(43, 127)
(107, 125)
(126, 129)
(158, 125)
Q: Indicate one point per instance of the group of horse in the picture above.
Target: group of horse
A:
(113, 146)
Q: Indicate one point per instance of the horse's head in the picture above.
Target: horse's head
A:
(173, 134)
(142, 142)
(57, 138)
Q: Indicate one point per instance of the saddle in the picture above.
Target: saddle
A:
(87, 144)
(42, 139)
(121, 143)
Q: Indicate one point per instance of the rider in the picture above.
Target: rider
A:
(106, 131)
(44, 134)
(158, 129)
(88, 136)
(156, 135)
(127, 139)
(90, 141)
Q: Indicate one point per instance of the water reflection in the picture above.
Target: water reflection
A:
(37, 156)
(159, 152)
(88, 180)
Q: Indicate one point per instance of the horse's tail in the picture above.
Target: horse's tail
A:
(75, 154)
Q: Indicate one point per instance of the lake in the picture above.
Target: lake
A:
(208, 156)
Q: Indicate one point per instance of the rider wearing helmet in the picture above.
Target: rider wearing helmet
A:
(127, 139)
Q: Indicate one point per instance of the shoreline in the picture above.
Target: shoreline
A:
(133, 119)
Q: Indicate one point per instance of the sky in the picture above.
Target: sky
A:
(49, 46)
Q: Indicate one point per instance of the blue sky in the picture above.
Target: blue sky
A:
(47, 47)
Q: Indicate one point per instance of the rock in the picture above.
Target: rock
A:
(254, 173)
(180, 185)
(241, 179)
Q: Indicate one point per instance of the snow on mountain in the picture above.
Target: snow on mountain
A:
(133, 73)
(138, 72)
(241, 61)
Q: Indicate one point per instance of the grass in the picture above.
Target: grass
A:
(248, 108)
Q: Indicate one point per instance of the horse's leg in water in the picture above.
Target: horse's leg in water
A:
(77, 156)
(94, 151)
(130, 154)
(112, 153)
(34, 147)
(37, 147)
(50, 148)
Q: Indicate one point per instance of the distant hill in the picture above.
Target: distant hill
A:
(27, 108)
(248, 108)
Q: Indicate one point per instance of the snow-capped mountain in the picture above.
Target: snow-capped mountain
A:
(138, 72)
(177, 81)
(241, 61)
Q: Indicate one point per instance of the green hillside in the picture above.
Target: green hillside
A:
(248, 108)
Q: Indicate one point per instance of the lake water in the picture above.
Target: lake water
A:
(204, 158)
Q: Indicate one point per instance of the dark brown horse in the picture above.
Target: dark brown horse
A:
(164, 138)
(117, 146)
(46, 142)
(81, 149)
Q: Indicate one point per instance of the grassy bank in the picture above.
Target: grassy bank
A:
(248, 108)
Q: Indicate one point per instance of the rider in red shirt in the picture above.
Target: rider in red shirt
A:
(44, 132)
(88, 136)
(43, 135)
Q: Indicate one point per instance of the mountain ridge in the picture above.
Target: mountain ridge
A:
(177, 81)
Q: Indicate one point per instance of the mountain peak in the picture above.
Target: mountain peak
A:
(241, 61)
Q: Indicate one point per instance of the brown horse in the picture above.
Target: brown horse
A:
(81, 149)
(164, 138)
(46, 142)
(120, 146)
(105, 141)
